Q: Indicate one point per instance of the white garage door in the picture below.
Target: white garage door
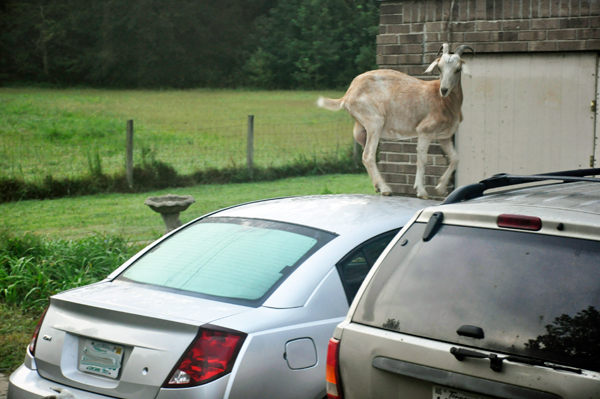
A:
(526, 114)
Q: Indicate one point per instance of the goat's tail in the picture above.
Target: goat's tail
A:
(330, 104)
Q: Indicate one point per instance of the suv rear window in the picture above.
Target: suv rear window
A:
(235, 259)
(533, 295)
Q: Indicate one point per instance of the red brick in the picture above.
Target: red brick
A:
(555, 8)
(383, 29)
(572, 45)
(594, 22)
(584, 7)
(390, 8)
(400, 28)
(533, 35)
(525, 9)
(511, 47)
(487, 47)
(416, 28)
(564, 8)
(411, 39)
(575, 6)
(410, 59)
(389, 60)
(390, 146)
(391, 50)
(480, 9)
(566, 34)
(488, 25)
(594, 8)
(567, 23)
(432, 47)
(472, 10)
(391, 19)
(516, 25)
(542, 46)
(588, 33)
(477, 36)
(507, 9)
(504, 36)
(593, 44)
(434, 26)
(411, 49)
(545, 24)
(457, 37)
(544, 8)
(489, 9)
(387, 39)
(462, 26)
(398, 158)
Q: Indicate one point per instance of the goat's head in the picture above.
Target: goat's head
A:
(450, 66)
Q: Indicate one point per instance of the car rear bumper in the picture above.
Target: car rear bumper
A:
(25, 383)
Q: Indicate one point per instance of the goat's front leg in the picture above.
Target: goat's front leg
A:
(422, 148)
(369, 159)
(448, 148)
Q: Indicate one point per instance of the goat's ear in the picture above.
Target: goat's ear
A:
(465, 68)
(432, 66)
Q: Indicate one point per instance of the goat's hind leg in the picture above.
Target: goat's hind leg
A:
(369, 158)
(448, 148)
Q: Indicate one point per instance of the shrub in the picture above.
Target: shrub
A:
(32, 268)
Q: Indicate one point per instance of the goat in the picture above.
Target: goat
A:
(387, 104)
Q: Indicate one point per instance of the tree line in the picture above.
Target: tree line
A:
(267, 44)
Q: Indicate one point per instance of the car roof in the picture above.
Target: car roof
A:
(338, 214)
(574, 205)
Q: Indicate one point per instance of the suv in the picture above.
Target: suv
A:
(483, 296)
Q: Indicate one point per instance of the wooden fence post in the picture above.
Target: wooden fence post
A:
(129, 160)
(250, 145)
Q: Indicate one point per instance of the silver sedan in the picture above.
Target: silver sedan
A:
(239, 303)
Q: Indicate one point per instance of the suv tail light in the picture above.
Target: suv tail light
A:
(332, 376)
(36, 332)
(210, 356)
(519, 222)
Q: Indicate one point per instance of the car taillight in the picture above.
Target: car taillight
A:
(36, 332)
(210, 356)
(332, 374)
(519, 222)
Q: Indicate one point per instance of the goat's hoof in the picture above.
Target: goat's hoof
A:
(386, 193)
(422, 194)
(441, 189)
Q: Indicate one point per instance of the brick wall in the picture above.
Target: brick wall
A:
(412, 32)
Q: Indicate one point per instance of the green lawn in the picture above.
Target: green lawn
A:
(62, 132)
(126, 214)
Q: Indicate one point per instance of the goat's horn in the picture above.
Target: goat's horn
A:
(459, 50)
(445, 49)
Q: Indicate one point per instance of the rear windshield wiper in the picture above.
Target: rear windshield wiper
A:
(496, 361)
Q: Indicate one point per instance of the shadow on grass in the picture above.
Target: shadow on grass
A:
(157, 175)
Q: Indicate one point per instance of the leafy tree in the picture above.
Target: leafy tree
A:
(313, 44)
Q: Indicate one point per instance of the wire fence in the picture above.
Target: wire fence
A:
(187, 147)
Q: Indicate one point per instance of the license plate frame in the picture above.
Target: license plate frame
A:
(451, 393)
(101, 358)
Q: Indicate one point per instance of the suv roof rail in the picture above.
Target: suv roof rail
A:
(475, 190)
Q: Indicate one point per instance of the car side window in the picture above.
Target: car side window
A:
(355, 266)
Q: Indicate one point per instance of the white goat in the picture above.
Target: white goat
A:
(391, 105)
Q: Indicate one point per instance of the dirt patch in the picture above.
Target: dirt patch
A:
(3, 385)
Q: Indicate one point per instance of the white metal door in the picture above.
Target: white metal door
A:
(526, 114)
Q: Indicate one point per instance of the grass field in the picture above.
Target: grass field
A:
(126, 214)
(70, 132)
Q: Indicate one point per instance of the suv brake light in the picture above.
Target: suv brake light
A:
(334, 382)
(210, 356)
(520, 222)
(36, 332)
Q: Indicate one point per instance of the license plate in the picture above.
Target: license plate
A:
(449, 393)
(102, 358)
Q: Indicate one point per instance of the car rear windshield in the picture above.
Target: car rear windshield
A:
(233, 259)
(533, 295)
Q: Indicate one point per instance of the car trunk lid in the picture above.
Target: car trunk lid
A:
(120, 339)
